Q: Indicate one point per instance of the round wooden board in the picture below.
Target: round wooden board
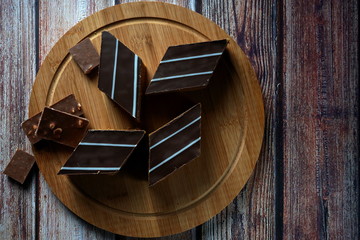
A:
(232, 125)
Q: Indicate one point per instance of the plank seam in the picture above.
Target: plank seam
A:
(37, 175)
(198, 6)
(357, 108)
(279, 128)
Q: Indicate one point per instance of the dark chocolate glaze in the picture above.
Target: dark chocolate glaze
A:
(61, 127)
(19, 166)
(103, 156)
(187, 127)
(193, 65)
(68, 104)
(126, 76)
(189, 66)
(107, 56)
(197, 82)
(194, 49)
(161, 173)
(137, 164)
(114, 136)
(85, 55)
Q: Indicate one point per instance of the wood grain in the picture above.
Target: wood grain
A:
(190, 4)
(17, 71)
(253, 25)
(55, 221)
(195, 192)
(319, 109)
(321, 117)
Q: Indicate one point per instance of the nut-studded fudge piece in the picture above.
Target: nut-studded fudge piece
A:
(68, 104)
(85, 55)
(62, 127)
(20, 166)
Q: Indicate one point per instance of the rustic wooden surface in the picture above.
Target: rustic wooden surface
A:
(251, 24)
(306, 183)
(196, 192)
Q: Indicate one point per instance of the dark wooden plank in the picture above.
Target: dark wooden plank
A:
(55, 220)
(17, 70)
(252, 23)
(321, 117)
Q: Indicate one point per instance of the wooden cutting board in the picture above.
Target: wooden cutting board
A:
(232, 125)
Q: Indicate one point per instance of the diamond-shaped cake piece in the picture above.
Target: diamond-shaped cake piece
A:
(102, 152)
(175, 144)
(187, 67)
(121, 74)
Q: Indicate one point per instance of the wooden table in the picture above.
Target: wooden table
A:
(306, 56)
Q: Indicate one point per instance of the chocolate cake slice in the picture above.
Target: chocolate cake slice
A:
(175, 144)
(187, 67)
(102, 152)
(121, 74)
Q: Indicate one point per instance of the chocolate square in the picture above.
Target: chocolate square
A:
(62, 127)
(85, 55)
(68, 104)
(20, 166)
